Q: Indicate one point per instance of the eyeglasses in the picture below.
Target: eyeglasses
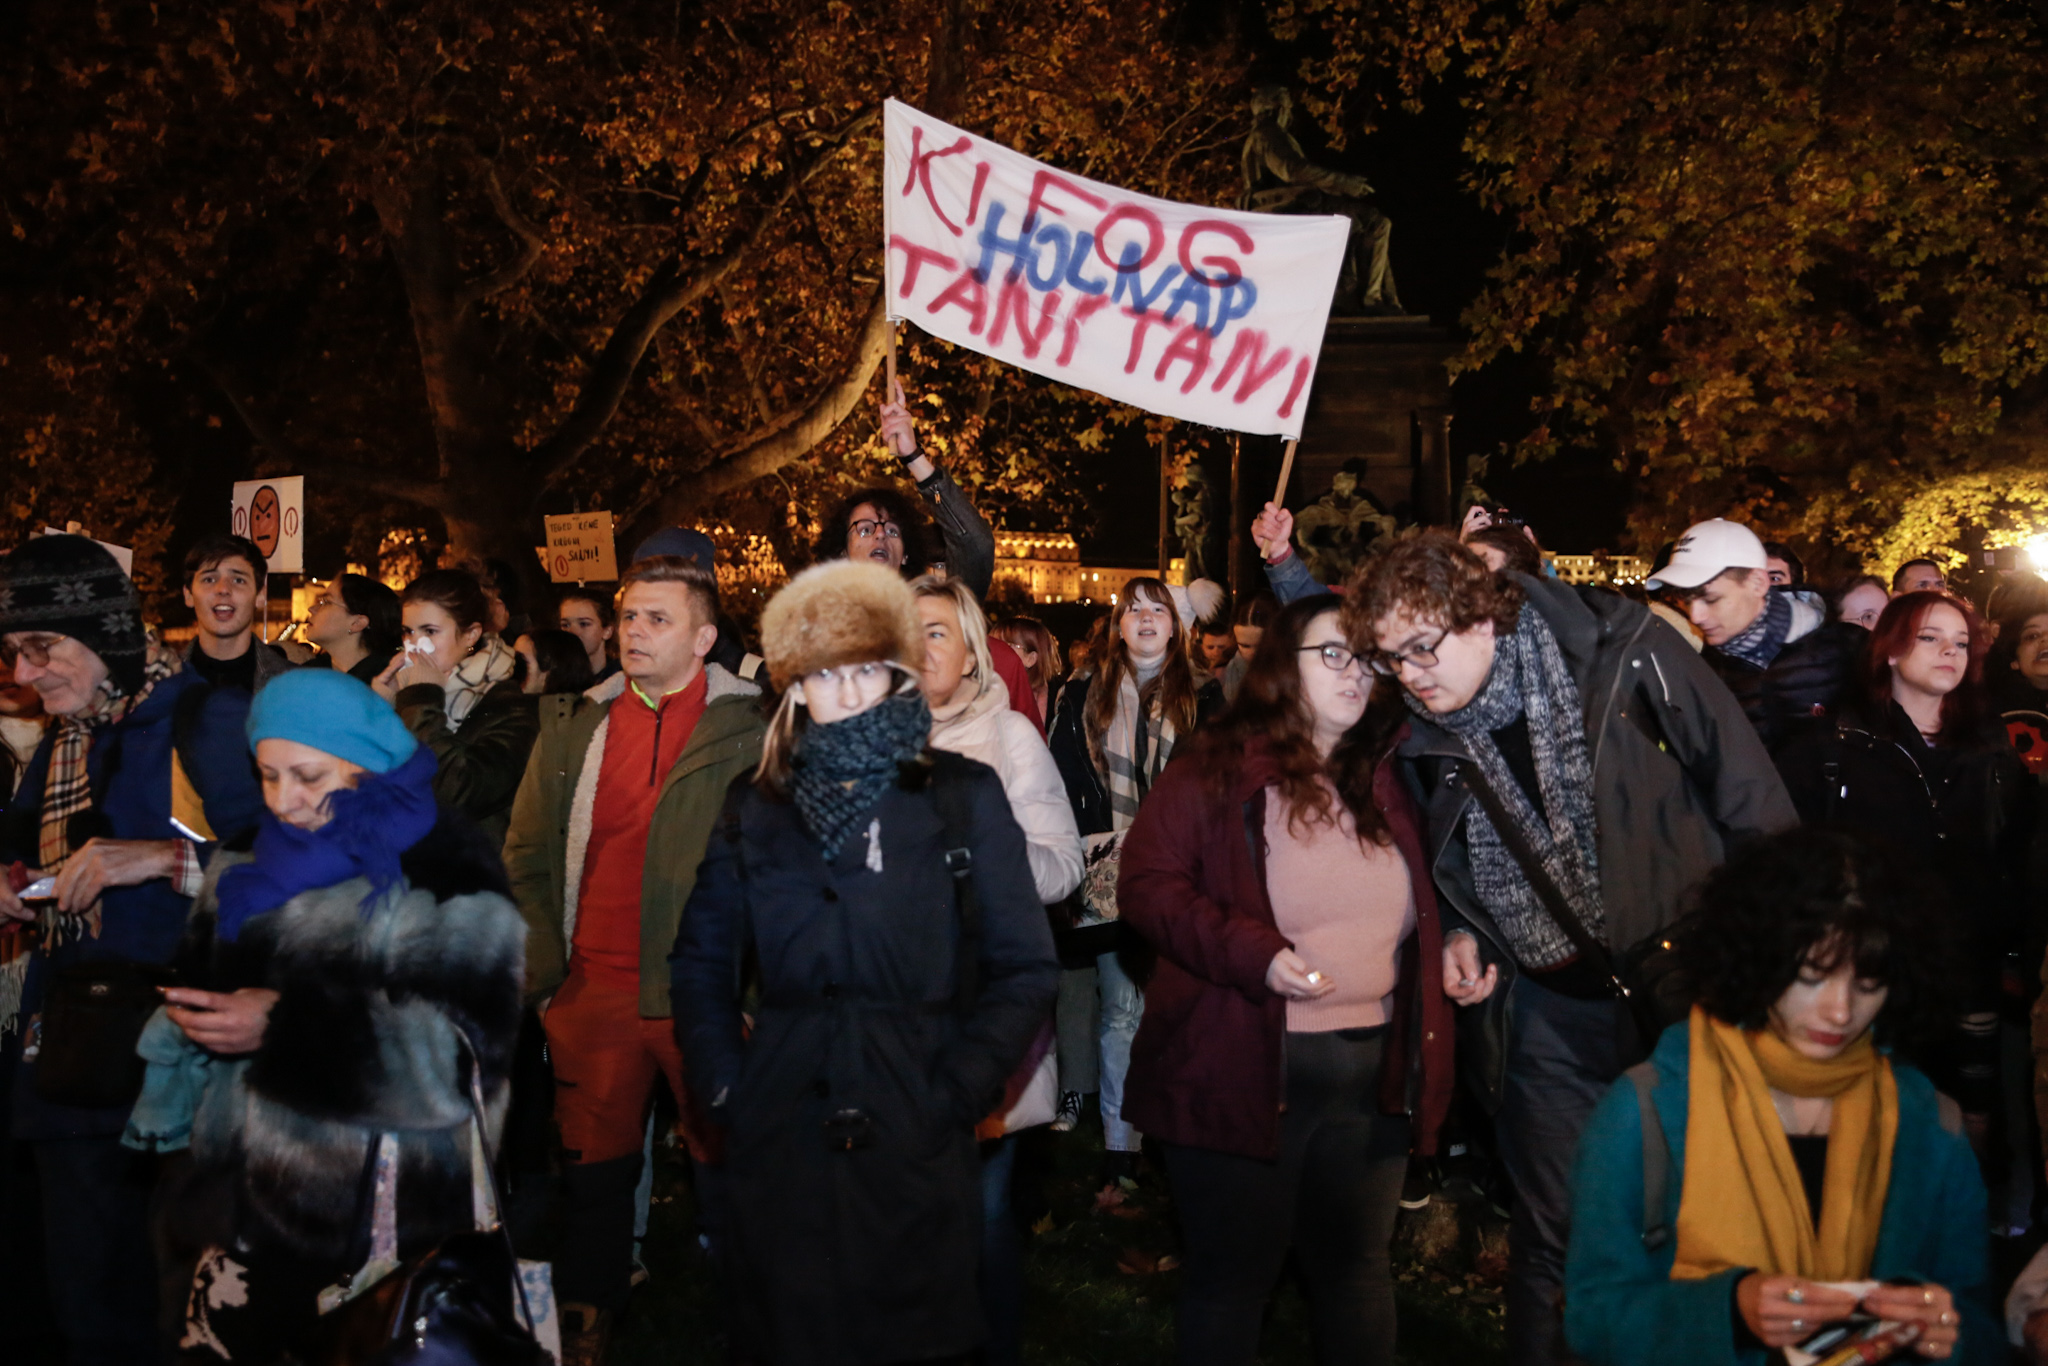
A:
(35, 649)
(1335, 657)
(867, 529)
(1387, 663)
(324, 600)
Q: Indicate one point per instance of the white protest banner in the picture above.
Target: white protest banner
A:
(1206, 314)
(579, 548)
(272, 513)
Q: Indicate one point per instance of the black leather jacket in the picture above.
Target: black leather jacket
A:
(1964, 812)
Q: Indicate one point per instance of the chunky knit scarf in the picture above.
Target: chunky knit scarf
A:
(1529, 679)
(841, 769)
(1759, 642)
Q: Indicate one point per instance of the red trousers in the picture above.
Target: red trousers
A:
(607, 1057)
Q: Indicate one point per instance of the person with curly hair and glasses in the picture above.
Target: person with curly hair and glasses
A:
(1579, 769)
(1777, 1170)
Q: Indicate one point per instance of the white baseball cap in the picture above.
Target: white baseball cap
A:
(1706, 549)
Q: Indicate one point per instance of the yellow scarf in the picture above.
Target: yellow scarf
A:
(1742, 1204)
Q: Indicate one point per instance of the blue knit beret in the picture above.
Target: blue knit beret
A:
(333, 713)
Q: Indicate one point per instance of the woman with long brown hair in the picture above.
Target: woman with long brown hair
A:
(1298, 1038)
(1112, 738)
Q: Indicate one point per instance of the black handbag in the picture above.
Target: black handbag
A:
(93, 1014)
(1649, 977)
(461, 1304)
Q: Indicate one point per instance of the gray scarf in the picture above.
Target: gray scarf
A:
(1759, 642)
(1530, 679)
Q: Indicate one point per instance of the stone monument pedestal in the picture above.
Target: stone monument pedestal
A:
(1382, 398)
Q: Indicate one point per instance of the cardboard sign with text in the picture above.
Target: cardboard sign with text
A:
(272, 513)
(579, 548)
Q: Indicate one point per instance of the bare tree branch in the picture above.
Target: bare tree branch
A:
(271, 438)
(768, 448)
(671, 288)
(512, 272)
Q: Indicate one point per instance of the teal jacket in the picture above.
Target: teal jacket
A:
(1621, 1304)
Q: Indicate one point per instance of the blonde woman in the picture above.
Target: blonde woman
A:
(971, 715)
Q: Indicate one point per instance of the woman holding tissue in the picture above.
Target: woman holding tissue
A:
(453, 687)
(1775, 1171)
(1296, 1038)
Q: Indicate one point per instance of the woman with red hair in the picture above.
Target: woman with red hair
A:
(1918, 759)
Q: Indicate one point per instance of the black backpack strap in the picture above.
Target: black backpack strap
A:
(1656, 1158)
(949, 795)
(1596, 953)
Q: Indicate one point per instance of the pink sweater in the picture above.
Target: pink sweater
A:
(1346, 909)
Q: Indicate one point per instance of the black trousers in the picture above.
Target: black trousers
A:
(1331, 1199)
(102, 1268)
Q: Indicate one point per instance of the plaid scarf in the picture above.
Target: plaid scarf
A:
(67, 791)
(1529, 679)
(490, 664)
(1131, 761)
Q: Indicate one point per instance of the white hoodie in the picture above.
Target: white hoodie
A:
(980, 724)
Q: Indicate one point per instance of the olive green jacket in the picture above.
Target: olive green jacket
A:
(550, 832)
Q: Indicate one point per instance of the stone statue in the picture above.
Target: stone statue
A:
(1279, 178)
(1192, 517)
(1334, 532)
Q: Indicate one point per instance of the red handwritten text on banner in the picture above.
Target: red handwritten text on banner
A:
(1207, 314)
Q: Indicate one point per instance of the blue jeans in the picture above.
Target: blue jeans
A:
(1123, 1005)
(1563, 1054)
(1002, 1259)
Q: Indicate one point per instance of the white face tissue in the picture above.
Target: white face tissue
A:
(420, 645)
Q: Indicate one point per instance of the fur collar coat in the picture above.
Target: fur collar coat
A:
(364, 1039)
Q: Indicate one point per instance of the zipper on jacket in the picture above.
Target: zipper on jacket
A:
(654, 760)
(1912, 763)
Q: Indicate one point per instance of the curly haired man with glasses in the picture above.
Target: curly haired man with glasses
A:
(1622, 769)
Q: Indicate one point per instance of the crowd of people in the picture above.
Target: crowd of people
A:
(1710, 910)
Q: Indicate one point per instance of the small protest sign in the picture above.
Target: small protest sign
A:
(579, 548)
(1207, 314)
(272, 513)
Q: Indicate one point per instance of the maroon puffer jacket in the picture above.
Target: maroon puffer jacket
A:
(1206, 1066)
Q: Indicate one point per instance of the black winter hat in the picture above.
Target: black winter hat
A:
(71, 586)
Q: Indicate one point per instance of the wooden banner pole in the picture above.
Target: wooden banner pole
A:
(1286, 470)
(889, 394)
(1280, 489)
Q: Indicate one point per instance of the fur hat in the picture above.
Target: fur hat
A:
(840, 612)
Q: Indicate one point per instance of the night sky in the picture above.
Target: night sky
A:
(1443, 244)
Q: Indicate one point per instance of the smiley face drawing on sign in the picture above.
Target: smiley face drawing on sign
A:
(265, 522)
